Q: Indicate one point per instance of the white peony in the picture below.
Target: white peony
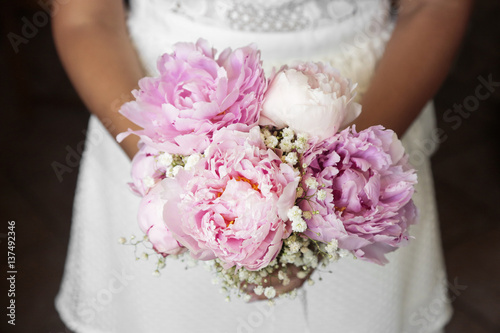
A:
(311, 98)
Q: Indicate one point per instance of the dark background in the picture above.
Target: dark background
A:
(41, 118)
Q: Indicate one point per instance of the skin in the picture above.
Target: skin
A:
(415, 63)
(93, 44)
(95, 49)
(274, 281)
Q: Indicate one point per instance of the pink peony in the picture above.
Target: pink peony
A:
(151, 222)
(196, 94)
(146, 171)
(233, 204)
(310, 98)
(369, 185)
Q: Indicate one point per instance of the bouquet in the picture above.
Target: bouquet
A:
(263, 176)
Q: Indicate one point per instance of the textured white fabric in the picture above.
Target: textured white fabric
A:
(105, 290)
(270, 16)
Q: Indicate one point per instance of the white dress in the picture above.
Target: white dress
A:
(105, 290)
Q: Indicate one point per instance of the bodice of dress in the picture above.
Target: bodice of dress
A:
(350, 34)
(272, 15)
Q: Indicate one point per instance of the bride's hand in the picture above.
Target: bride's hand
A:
(272, 280)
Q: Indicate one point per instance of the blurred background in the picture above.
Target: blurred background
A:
(43, 125)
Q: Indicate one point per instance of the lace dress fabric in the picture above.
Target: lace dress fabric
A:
(267, 16)
(105, 290)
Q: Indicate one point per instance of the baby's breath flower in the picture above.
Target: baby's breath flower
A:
(286, 281)
(321, 194)
(343, 253)
(176, 170)
(298, 261)
(191, 161)
(294, 213)
(122, 240)
(287, 257)
(294, 247)
(243, 274)
(286, 145)
(302, 274)
(165, 159)
(292, 158)
(266, 132)
(148, 181)
(270, 292)
(307, 215)
(258, 290)
(271, 141)
(333, 256)
(311, 261)
(332, 246)
(300, 146)
(300, 191)
(287, 133)
(302, 137)
(312, 183)
(305, 250)
(299, 225)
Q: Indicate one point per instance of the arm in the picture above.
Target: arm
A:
(92, 41)
(415, 63)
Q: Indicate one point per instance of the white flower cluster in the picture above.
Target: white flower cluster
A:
(174, 162)
(309, 254)
(298, 223)
(297, 215)
(290, 144)
(311, 183)
(298, 250)
(241, 281)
